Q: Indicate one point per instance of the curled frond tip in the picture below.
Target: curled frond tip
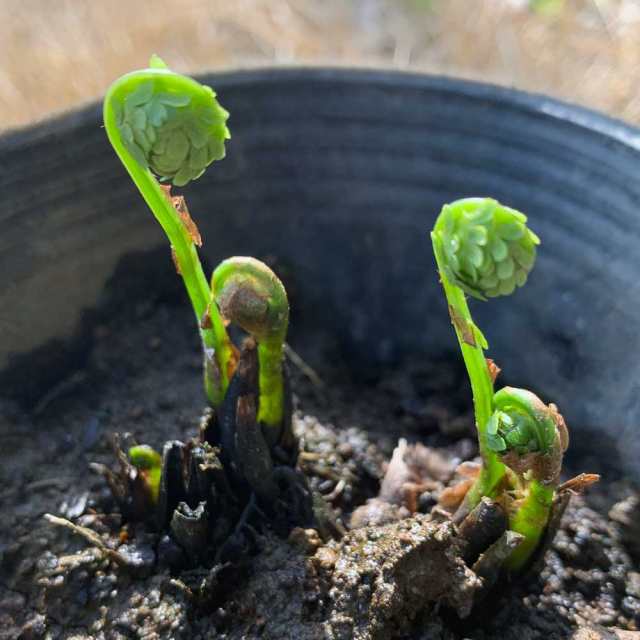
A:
(528, 435)
(483, 247)
(250, 295)
(169, 123)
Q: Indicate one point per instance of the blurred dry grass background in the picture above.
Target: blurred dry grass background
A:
(55, 54)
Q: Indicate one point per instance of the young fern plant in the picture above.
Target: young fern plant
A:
(486, 250)
(483, 249)
(168, 127)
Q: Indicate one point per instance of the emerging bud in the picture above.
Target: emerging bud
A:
(250, 295)
(529, 435)
(149, 465)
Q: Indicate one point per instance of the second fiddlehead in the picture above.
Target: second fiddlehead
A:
(250, 295)
(530, 438)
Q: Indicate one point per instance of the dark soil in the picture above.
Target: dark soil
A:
(143, 376)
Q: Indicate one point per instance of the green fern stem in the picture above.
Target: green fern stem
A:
(492, 470)
(271, 384)
(177, 91)
(530, 520)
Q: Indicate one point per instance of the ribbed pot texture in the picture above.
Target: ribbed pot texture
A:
(341, 174)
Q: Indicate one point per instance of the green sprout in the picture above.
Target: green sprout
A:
(485, 250)
(165, 126)
(149, 465)
(248, 294)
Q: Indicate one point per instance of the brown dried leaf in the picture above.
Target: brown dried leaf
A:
(166, 190)
(462, 326)
(176, 264)
(579, 483)
(494, 369)
(561, 425)
(543, 467)
(468, 469)
(205, 322)
(180, 205)
(411, 492)
(452, 497)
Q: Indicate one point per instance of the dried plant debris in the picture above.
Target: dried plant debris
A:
(414, 479)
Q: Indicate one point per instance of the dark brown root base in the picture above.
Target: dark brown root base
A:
(144, 377)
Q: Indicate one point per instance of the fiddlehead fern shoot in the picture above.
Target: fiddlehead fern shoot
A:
(484, 249)
(170, 127)
(250, 295)
(167, 127)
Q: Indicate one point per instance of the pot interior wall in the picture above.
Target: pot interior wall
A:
(340, 174)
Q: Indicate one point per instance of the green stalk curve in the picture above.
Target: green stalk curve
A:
(159, 120)
(471, 345)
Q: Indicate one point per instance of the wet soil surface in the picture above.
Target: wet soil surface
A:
(143, 376)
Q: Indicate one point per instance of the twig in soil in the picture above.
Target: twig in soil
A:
(182, 588)
(90, 536)
(337, 490)
(304, 368)
(310, 456)
(63, 387)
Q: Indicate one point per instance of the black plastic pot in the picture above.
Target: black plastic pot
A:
(341, 174)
